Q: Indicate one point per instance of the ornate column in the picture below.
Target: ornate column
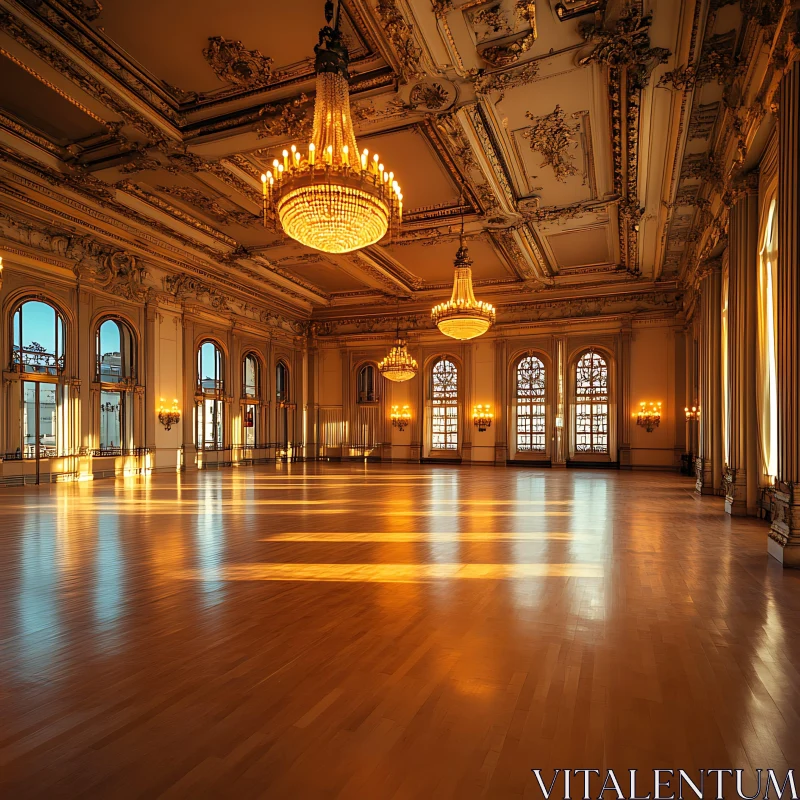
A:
(784, 541)
(501, 408)
(624, 394)
(708, 464)
(740, 477)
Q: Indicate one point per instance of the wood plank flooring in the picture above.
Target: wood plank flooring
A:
(367, 631)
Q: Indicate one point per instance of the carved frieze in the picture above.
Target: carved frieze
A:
(199, 199)
(401, 37)
(486, 82)
(289, 118)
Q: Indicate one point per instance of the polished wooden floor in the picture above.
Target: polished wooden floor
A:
(373, 632)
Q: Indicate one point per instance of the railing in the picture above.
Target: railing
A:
(104, 452)
(29, 451)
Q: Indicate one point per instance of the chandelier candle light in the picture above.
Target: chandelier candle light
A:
(692, 414)
(462, 316)
(332, 198)
(649, 418)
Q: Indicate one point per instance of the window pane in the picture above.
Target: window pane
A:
(209, 367)
(531, 406)
(110, 352)
(591, 409)
(444, 396)
(251, 376)
(249, 425)
(38, 338)
(110, 420)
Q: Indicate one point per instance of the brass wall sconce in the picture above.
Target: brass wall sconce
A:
(692, 414)
(482, 417)
(649, 416)
(169, 416)
(400, 419)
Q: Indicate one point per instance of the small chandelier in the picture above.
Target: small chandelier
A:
(649, 418)
(398, 366)
(400, 419)
(462, 316)
(333, 198)
(482, 417)
(692, 414)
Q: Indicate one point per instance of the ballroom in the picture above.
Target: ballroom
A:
(400, 398)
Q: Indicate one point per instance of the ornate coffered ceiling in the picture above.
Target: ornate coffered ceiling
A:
(572, 134)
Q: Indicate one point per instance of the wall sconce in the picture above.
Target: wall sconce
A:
(401, 418)
(482, 417)
(692, 414)
(169, 416)
(649, 418)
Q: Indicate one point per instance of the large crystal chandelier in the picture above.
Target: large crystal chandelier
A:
(398, 366)
(462, 316)
(332, 198)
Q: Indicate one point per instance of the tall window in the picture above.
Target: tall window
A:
(444, 400)
(282, 383)
(38, 352)
(114, 371)
(251, 390)
(767, 390)
(531, 428)
(591, 404)
(366, 384)
(210, 386)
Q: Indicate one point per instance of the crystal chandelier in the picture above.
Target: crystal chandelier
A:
(398, 366)
(463, 317)
(332, 198)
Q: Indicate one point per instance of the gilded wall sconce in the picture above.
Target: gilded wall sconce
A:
(649, 416)
(169, 416)
(692, 414)
(482, 417)
(400, 418)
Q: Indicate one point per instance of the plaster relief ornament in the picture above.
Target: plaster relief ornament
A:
(503, 55)
(234, 63)
(553, 137)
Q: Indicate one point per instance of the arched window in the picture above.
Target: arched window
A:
(38, 353)
(591, 404)
(210, 408)
(367, 384)
(444, 401)
(531, 409)
(282, 383)
(767, 390)
(114, 365)
(251, 390)
(38, 339)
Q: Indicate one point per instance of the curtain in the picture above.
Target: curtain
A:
(766, 355)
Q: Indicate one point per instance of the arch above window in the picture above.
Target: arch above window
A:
(38, 339)
(251, 376)
(367, 384)
(531, 413)
(591, 403)
(209, 368)
(115, 360)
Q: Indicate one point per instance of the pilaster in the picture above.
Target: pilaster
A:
(559, 455)
(624, 405)
(784, 541)
(500, 401)
(708, 464)
(741, 472)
